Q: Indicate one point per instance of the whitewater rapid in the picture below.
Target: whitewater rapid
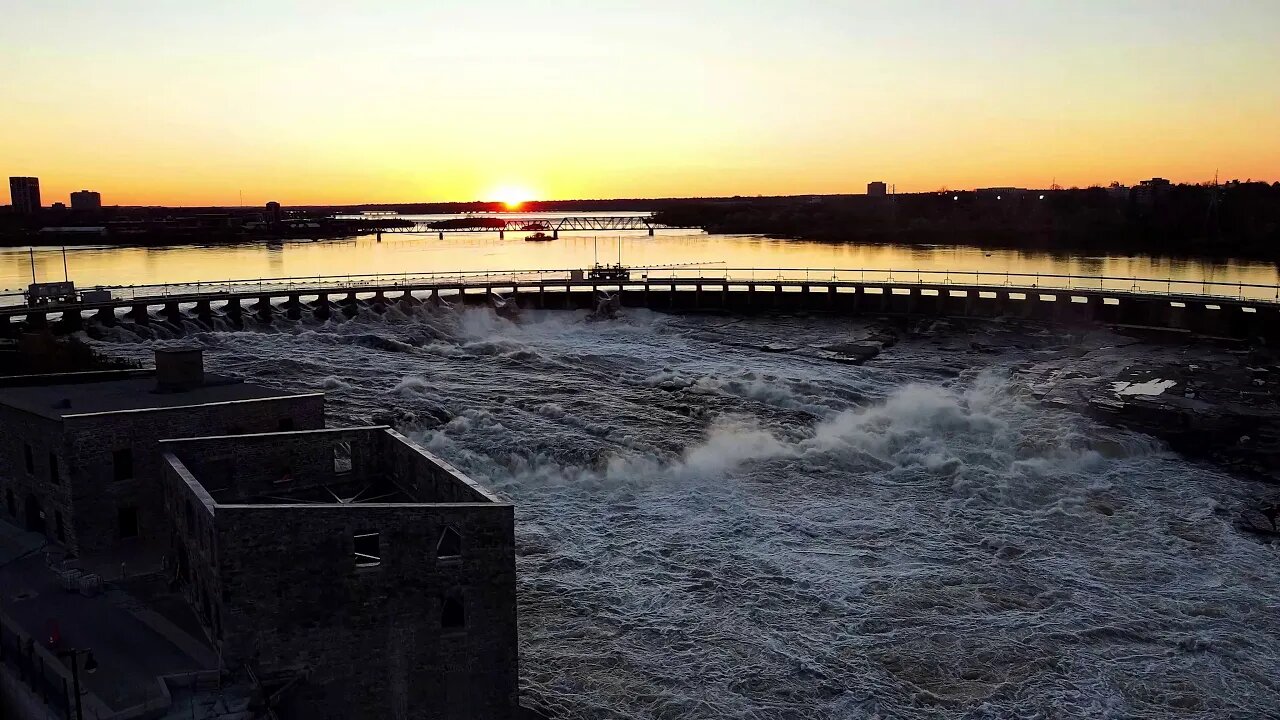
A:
(707, 528)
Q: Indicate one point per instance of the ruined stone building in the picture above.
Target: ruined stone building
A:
(78, 457)
(368, 575)
(344, 573)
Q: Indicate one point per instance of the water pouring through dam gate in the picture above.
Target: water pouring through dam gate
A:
(717, 518)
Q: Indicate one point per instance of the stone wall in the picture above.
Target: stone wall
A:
(238, 468)
(53, 499)
(93, 438)
(294, 598)
(426, 477)
(281, 588)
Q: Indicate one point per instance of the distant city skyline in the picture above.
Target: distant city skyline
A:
(330, 103)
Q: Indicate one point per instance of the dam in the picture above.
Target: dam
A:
(1216, 310)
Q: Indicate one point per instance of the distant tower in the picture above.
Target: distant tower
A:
(877, 189)
(273, 212)
(25, 193)
(86, 200)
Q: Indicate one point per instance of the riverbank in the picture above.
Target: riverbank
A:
(1235, 220)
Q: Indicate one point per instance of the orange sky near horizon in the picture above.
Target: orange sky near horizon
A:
(333, 103)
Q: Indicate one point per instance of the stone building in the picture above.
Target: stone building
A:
(361, 574)
(79, 460)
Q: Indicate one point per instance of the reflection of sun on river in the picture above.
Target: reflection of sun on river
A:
(486, 251)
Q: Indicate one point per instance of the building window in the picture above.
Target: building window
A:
(28, 459)
(128, 517)
(53, 470)
(450, 545)
(285, 425)
(122, 464)
(452, 615)
(367, 550)
(342, 458)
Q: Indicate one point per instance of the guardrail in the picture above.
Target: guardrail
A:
(1048, 281)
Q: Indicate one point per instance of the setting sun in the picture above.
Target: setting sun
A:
(513, 196)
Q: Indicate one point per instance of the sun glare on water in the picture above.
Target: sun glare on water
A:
(512, 196)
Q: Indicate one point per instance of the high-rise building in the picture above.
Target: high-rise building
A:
(86, 200)
(25, 194)
(273, 212)
(877, 189)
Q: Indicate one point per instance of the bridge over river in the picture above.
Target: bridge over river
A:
(539, 223)
(1237, 311)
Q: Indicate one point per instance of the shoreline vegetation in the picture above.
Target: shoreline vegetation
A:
(1234, 220)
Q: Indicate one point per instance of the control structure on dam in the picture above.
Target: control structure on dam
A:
(1239, 311)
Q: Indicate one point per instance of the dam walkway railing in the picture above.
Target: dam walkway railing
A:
(678, 275)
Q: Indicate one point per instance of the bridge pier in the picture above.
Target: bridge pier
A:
(172, 313)
(204, 311)
(502, 234)
(650, 231)
(555, 234)
(350, 305)
(441, 234)
(139, 314)
(293, 307)
(37, 321)
(322, 309)
(263, 309)
(407, 301)
(70, 321)
(105, 316)
(234, 312)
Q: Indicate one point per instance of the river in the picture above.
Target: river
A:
(717, 518)
(396, 253)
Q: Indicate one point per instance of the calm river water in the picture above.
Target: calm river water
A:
(486, 251)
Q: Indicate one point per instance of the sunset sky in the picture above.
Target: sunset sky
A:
(411, 100)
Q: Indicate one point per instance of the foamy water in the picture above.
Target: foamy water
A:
(709, 530)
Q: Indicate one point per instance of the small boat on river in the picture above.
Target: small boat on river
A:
(539, 237)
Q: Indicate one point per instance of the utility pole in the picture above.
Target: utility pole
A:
(32, 253)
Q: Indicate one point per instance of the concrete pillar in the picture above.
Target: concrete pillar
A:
(37, 320)
(650, 231)
(204, 311)
(555, 234)
(441, 234)
(263, 308)
(139, 314)
(502, 234)
(293, 307)
(172, 313)
(106, 316)
(70, 321)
